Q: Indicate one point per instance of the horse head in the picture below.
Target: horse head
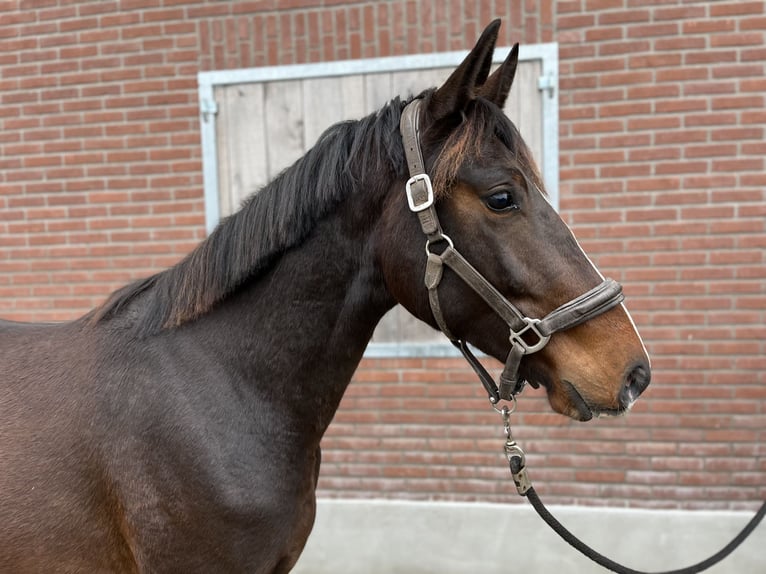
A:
(489, 205)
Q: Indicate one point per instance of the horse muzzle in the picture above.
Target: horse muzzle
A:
(636, 381)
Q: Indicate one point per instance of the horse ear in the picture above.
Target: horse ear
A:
(460, 87)
(497, 86)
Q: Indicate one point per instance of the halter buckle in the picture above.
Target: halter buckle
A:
(516, 337)
(429, 200)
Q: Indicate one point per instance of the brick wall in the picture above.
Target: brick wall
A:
(662, 118)
(662, 138)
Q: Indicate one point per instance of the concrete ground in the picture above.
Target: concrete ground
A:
(401, 537)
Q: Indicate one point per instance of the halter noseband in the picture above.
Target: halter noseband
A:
(523, 329)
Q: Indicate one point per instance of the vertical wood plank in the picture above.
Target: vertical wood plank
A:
(530, 111)
(412, 82)
(377, 90)
(512, 107)
(223, 143)
(330, 100)
(248, 170)
(352, 96)
(283, 112)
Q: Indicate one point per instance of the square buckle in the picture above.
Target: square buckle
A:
(516, 337)
(415, 180)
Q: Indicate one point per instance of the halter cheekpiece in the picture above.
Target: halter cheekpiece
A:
(527, 335)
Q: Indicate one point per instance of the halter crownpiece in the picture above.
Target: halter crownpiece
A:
(527, 335)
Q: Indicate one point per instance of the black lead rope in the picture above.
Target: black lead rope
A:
(619, 568)
(516, 462)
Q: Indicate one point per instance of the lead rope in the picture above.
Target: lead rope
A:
(517, 465)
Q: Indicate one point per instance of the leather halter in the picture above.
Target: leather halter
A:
(523, 329)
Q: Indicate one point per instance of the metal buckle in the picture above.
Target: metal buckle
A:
(437, 239)
(531, 325)
(429, 192)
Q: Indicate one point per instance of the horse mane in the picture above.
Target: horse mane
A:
(282, 214)
(277, 217)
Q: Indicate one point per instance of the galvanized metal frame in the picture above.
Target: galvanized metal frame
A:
(547, 54)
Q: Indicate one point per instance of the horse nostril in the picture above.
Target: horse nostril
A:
(636, 382)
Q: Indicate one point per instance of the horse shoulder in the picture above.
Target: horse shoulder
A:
(208, 467)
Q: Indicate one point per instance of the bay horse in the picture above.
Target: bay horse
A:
(176, 428)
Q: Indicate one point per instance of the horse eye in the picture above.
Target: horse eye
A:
(501, 201)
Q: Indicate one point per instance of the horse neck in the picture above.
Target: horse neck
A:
(297, 332)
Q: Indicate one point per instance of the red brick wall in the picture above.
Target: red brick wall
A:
(662, 125)
(662, 168)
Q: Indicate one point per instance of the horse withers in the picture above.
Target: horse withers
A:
(176, 428)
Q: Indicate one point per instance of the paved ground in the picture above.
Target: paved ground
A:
(392, 537)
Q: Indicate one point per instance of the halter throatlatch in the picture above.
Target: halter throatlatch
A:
(527, 335)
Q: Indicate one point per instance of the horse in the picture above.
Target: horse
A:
(177, 427)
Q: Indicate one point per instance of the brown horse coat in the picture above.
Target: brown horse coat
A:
(176, 429)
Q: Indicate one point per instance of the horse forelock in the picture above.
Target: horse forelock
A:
(483, 125)
(276, 218)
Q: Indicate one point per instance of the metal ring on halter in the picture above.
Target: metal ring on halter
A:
(441, 237)
(505, 411)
